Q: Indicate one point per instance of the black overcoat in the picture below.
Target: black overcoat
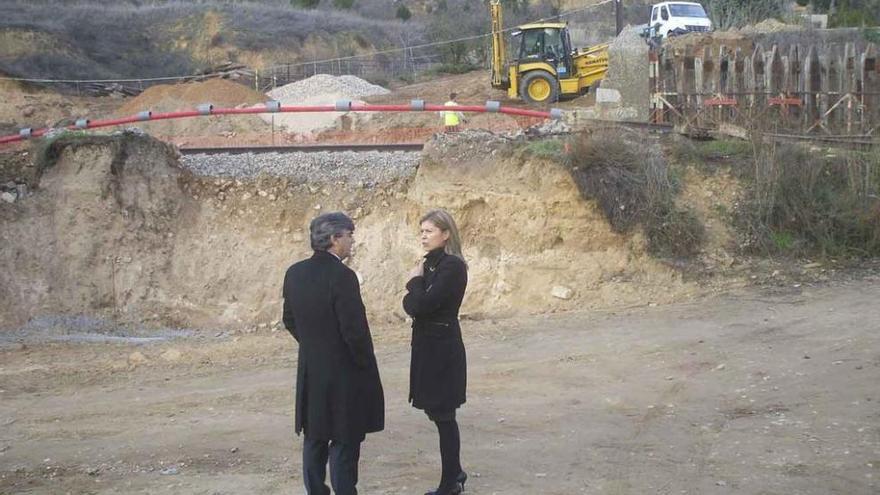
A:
(438, 365)
(339, 394)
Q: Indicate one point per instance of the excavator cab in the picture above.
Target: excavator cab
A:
(547, 44)
(544, 57)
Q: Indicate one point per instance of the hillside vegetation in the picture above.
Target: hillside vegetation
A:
(110, 40)
(93, 40)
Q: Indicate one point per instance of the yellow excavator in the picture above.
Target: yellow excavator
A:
(545, 67)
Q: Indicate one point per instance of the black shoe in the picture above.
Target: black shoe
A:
(461, 479)
(453, 491)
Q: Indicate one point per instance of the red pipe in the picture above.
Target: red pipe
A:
(354, 107)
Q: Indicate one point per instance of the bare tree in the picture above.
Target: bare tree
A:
(726, 14)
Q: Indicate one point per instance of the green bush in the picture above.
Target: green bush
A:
(403, 13)
(633, 186)
(343, 4)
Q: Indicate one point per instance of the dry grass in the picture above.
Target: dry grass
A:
(811, 202)
(633, 186)
(103, 40)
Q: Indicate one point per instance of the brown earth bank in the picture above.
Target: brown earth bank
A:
(182, 97)
(118, 230)
(25, 105)
(759, 391)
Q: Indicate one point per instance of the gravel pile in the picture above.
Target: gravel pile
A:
(370, 167)
(321, 89)
(349, 87)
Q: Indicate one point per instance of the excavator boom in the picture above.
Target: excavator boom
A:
(499, 51)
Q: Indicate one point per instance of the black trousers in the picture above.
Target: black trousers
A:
(343, 459)
(450, 447)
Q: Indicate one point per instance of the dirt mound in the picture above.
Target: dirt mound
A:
(770, 26)
(695, 43)
(118, 229)
(25, 105)
(168, 97)
(171, 97)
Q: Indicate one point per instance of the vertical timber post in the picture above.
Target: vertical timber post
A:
(618, 16)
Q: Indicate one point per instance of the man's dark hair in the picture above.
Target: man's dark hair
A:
(324, 227)
(453, 96)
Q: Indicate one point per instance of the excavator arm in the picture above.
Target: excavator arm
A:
(499, 51)
(591, 64)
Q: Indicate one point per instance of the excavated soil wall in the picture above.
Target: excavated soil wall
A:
(118, 229)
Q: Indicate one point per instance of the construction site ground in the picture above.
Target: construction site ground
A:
(760, 391)
(33, 107)
(627, 374)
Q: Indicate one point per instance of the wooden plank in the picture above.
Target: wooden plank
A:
(850, 85)
(870, 76)
(824, 57)
(737, 71)
(811, 65)
(718, 61)
(750, 76)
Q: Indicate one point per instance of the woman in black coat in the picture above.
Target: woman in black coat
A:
(438, 369)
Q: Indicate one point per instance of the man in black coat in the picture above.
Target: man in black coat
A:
(339, 396)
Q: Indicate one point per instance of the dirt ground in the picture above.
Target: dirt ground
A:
(761, 391)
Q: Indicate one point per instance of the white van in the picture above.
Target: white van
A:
(673, 18)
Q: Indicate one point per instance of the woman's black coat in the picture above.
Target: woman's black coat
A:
(338, 392)
(438, 367)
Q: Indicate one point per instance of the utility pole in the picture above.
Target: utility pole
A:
(618, 15)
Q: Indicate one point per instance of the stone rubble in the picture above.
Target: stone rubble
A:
(312, 167)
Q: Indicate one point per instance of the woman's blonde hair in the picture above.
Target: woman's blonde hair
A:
(444, 221)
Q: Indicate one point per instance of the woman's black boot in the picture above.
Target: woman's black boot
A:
(447, 491)
(461, 479)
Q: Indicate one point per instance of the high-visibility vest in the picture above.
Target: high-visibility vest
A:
(450, 118)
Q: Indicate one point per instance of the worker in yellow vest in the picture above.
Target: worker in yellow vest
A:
(452, 120)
